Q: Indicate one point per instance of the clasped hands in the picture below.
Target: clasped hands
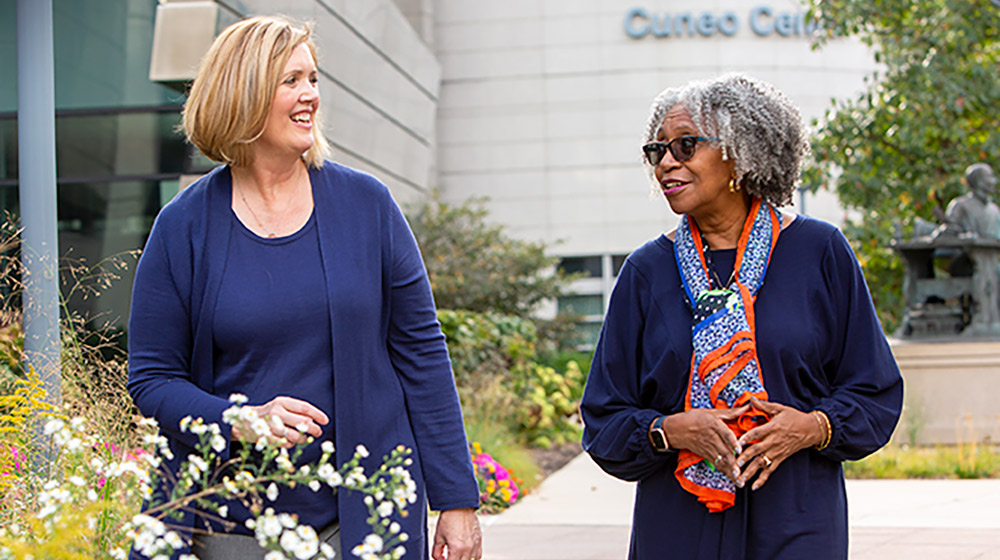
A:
(704, 432)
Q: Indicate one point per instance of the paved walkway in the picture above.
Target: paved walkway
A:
(581, 513)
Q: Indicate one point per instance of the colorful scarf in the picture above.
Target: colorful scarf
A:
(724, 368)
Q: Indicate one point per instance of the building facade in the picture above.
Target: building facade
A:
(537, 105)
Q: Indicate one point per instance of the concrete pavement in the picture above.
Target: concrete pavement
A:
(581, 513)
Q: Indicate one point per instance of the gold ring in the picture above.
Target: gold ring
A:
(767, 462)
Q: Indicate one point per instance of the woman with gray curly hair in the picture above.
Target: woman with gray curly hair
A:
(741, 359)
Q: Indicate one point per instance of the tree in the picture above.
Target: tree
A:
(476, 266)
(900, 148)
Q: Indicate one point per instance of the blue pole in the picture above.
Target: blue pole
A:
(36, 133)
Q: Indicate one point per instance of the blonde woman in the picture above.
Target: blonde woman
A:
(296, 282)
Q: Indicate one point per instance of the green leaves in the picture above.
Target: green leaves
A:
(476, 266)
(901, 147)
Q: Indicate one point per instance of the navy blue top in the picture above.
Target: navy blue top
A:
(820, 346)
(393, 383)
(270, 288)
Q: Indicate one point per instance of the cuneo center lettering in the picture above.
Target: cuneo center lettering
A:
(763, 20)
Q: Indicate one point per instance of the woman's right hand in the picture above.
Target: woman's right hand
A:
(703, 432)
(285, 415)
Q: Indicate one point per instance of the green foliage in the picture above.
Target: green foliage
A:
(549, 404)
(476, 266)
(484, 345)
(962, 461)
(899, 150)
(560, 360)
(500, 383)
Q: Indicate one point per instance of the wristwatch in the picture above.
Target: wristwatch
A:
(657, 436)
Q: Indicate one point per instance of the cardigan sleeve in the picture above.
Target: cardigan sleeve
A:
(616, 421)
(420, 357)
(866, 389)
(160, 343)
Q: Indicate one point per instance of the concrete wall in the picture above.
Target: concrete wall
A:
(951, 392)
(543, 103)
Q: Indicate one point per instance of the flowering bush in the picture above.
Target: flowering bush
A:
(498, 488)
(83, 501)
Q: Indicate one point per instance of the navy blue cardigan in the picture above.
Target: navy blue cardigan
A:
(393, 382)
(820, 346)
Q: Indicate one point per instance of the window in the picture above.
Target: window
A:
(590, 266)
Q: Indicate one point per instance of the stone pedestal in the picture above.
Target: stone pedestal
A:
(952, 392)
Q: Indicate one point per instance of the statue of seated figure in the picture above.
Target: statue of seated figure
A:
(973, 214)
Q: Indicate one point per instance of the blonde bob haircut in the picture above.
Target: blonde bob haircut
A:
(231, 96)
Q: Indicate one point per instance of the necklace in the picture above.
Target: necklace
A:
(711, 268)
(272, 232)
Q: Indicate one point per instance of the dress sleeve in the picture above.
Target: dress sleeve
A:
(160, 346)
(616, 421)
(865, 387)
(420, 357)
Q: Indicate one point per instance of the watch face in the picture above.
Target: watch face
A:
(659, 441)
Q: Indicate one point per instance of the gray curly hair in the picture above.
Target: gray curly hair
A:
(759, 128)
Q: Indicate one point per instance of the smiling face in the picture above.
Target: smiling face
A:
(700, 186)
(289, 128)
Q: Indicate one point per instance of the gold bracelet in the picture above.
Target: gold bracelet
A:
(824, 424)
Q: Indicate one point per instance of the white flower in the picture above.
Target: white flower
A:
(327, 446)
(283, 461)
(238, 398)
(223, 511)
(218, 443)
(77, 481)
(275, 555)
(394, 528)
(326, 550)
(287, 521)
(289, 541)
(268, 525)
(361, 450)
(174, 540)
(314, 485)
(53, 426)
(272, 492)
(385, 509)
(185, 423)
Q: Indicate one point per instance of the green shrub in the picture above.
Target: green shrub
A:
(500, 382)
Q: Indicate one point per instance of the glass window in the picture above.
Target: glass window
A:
(589, 333)
(102, 54)
(8, 149)
(617, 261)
(98, 221)
(586, 305)
(106, 145)
(590, 266)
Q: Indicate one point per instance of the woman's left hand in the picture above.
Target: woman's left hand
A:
(788, 431)
(458, 533)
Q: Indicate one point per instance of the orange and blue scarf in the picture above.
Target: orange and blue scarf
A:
(724, 369)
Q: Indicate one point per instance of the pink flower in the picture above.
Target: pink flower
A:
(15, 458)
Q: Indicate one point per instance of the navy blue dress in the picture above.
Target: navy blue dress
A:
(820, 346)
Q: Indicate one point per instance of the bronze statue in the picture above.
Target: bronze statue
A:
(974, 213)
(965, 301)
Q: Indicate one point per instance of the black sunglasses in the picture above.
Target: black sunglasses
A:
(682, 148)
